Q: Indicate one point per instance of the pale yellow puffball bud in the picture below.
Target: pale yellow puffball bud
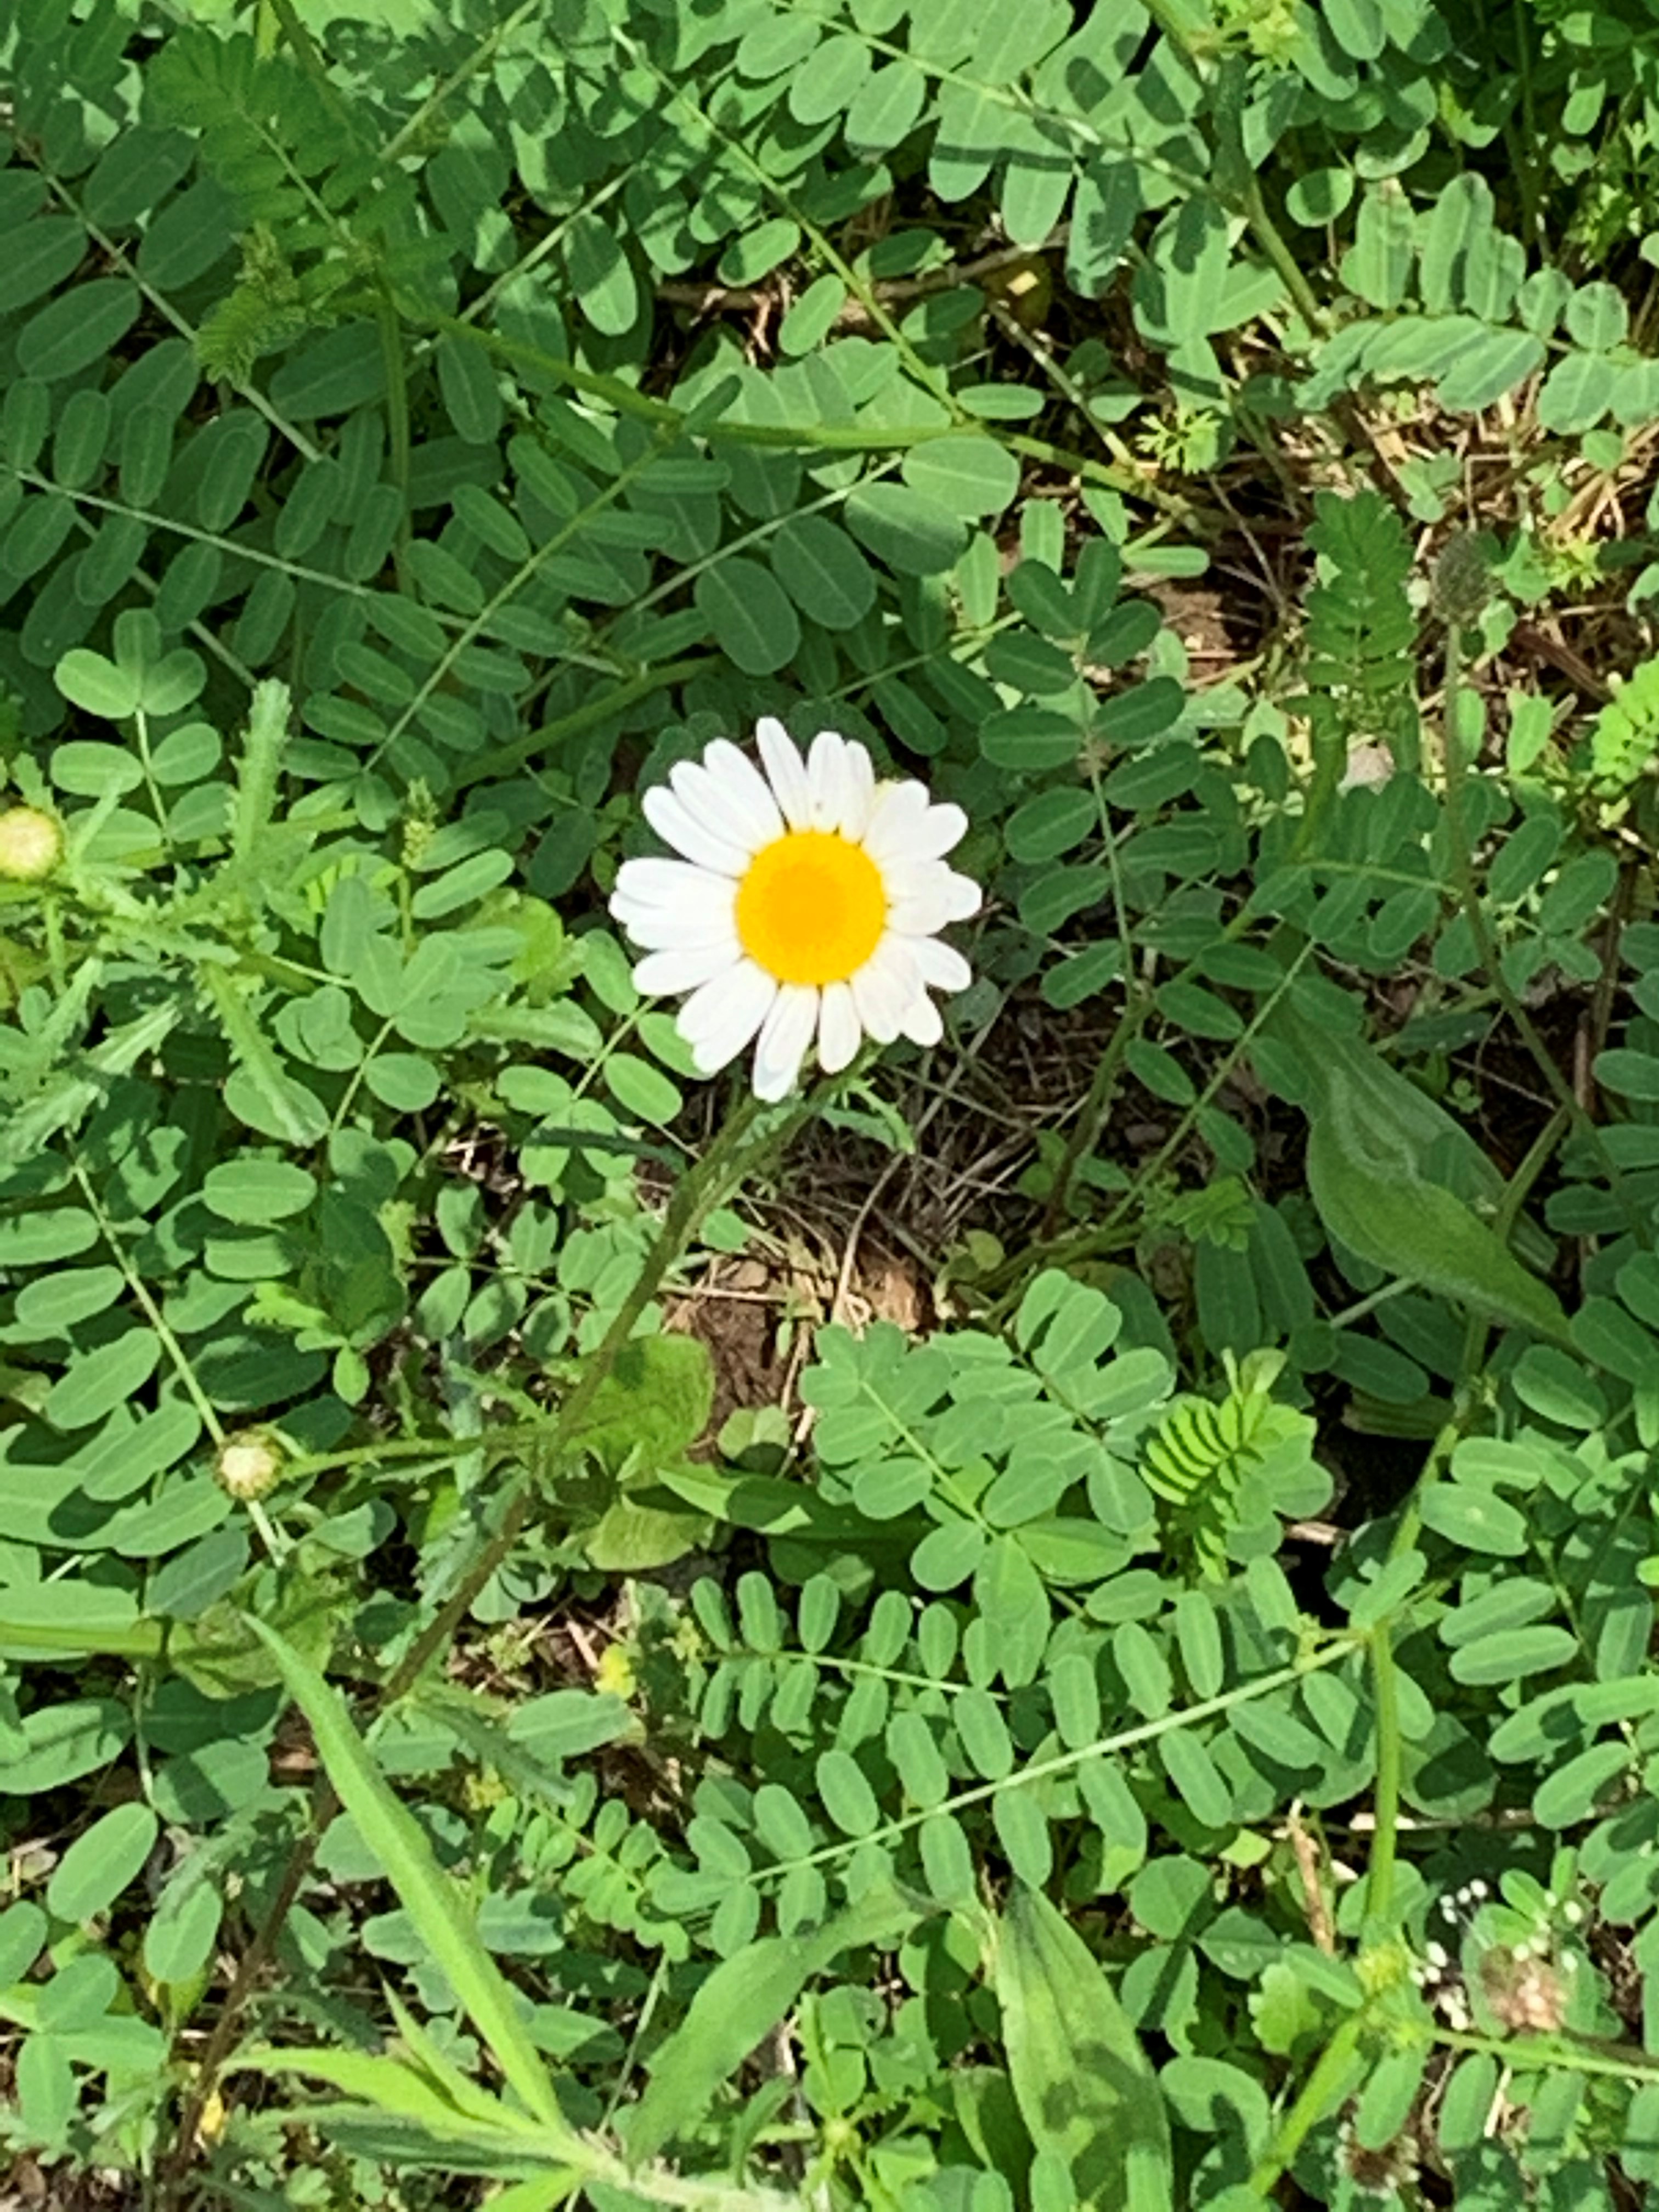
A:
(250, 1463)
(30, 845)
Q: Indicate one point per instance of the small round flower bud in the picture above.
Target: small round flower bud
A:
(1461, 584)
(31, 844)
(250, 1463)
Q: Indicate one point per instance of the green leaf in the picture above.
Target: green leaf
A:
(657, 1396)
(886, 108)
(1570, 1794)
(427, 1894)
(472, 392)
(758, 252)
(38, 1619)
(1366, 1159)
(96, 1382)
(1513, 1652)
(966, 475)
(1477, 1519)
(1009, 1593)
(38, 256)
(1597, 316)
(258, 1189)
(1356, 26)
(1486, 367)
(823, 571)
(181, 1931)
(1085, 2087)
(753, 622)
(82, 325)
(1196, 1775)
(1576, 393)
(735, 2008)
(102, 1861)
(914, 535)
(1378, 264)
(602, 278)
(847, 1797)
(97, 686)
(641, 1090)
(66, 1741)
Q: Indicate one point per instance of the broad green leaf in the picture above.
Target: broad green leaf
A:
(82, 325)
(1576, 393)
(1085, 2090)
(181, 1930)
(753, 622)
(1513, 1652)
(962, 474)
(1378, 264)
(102, 1861)
(1368, 1172)
(96, 1382)
(913, 534)
(86, 680)
(602, 279)
(66, 1741)
(1568, 1795)
(823, 571)
(38, 255)
(1477, 1519)
(656, 1398)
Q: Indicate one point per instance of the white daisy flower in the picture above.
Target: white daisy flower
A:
(806, 904)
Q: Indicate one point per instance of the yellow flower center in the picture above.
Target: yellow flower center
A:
(811, 908)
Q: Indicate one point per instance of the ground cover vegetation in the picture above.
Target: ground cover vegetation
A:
(1061, 1616)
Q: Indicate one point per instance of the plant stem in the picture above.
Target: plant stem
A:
(1390, 1748)
(697, 1191)
(1318, 2091)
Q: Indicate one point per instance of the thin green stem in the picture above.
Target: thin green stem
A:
(1067, 1762)
(1085, 1130)
(1390, 1754)
(1616, 2063)
(502, 762)
(1319, 2093)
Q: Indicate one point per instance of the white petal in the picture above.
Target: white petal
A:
(921, 1022)
(942, 966)
(827, 775)
(673, 903)
(861, 777)
(665, 883)
(906, 825)
(883, 989)
(684, 967)
(743, 790)
(786, 771)
(718, 1021)
(660, 930)
(706, 801)
(784, 1039)
(676, 824)
(942, 896)
(839, 1034)
(662, 903)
